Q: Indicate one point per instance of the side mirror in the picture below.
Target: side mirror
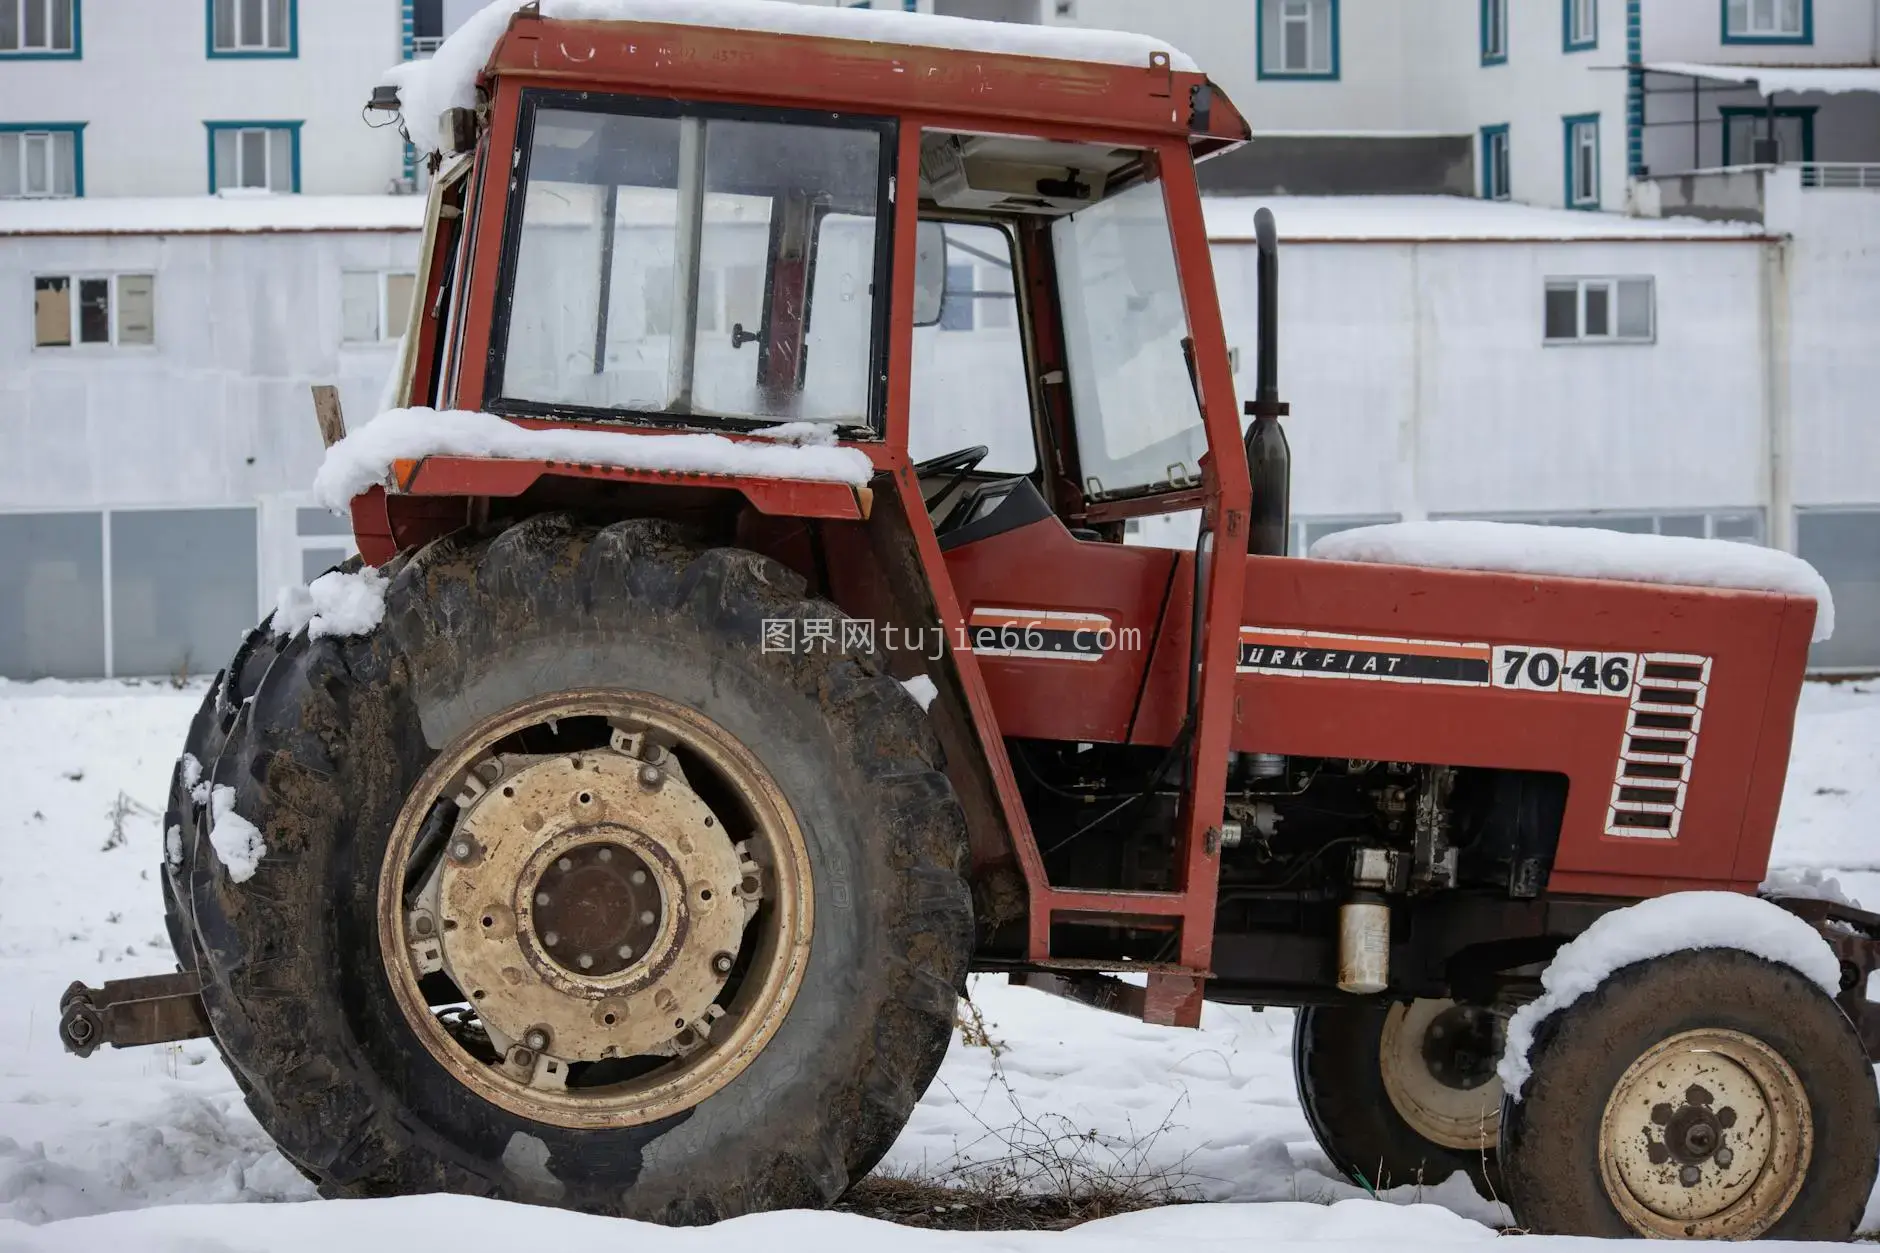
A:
(930, 272)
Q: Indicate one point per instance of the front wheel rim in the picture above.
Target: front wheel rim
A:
(1707, 1135)
(616, 898)
(1437, 1059)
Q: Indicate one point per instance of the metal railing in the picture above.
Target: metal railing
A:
(424, 45)
(1850, 175)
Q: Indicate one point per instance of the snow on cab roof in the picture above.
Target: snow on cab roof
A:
(1302, 219)
(448, 79)
(214, 215)
(1774, 78)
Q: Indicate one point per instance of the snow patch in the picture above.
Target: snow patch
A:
(448, 79)
(1654, 928)
(338, 603)
(922, 689)
(192, 770)
(238, 844)
(1771, 79)
(365, 457)
(1812, 885)
(1585, 553)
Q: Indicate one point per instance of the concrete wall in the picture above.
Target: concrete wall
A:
(1846, 32)
(145, 85)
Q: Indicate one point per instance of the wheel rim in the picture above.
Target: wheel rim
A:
(595, 908)
(1706, 1135)
(1438, 1063)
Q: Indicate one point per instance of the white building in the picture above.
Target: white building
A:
(1444, 357)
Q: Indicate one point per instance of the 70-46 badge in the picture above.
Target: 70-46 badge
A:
(1563, 670)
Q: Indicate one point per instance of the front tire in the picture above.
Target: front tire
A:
(315, 1008)
(1705, 1094)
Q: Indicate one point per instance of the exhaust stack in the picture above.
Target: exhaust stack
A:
(1269, 458)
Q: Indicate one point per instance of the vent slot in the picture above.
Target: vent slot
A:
(1669, 748)
(1674, 672)
(1653, 770)
(1641, 820)
(1648, 795)
(1667, 696)
(1661, 722)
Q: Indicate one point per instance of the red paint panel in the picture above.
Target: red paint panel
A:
(489, 476)
(1043, 570)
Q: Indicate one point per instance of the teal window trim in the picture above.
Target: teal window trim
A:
(1495, 6)
(293, 146)
(1489, 164)
(1289, 76)
(1567, 125)
(1567, 42)
(78, 42)
(1806, 37)
(77, 132)
(1806, 112)
(291, 51)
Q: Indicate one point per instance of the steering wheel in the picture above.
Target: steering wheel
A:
(960, 463)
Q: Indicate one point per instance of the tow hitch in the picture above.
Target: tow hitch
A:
(128, 1012)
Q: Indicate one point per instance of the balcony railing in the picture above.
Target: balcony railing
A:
(425, 45)
(1848, 175)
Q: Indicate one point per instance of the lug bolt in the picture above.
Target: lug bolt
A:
(522, 1057)
(422, 924)
(564, 865)
(536, 1039)
(646, 917)
(1689, 1176)
(584, 961)
(650, 776)
(625, 951)
(722, 963)
(606, 854)
(1723, 1158)
(639, 877)
(462, 849)
(551, 939)
(541, 898)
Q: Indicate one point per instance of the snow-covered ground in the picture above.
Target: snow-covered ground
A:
(87, 1147)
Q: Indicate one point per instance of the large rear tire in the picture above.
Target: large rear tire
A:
(1705, 1094)
(1402, 1094)
(583, 650)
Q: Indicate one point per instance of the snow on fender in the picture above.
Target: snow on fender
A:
(1655, 928)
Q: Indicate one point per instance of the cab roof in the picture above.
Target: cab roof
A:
(875, 61)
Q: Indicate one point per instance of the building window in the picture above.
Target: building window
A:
(1494, 31)
(324, 540)
(110, 309)
(1579, 25)
(1743, 125)
(427, 27)
(1495, 182)
(1599, 311)
(42, 159)
(1768, 21)
(31, 29)
(1298, 39)
(1844, 545)
(1582, 140)
(253, 28)
(374, 306)
(261, 156)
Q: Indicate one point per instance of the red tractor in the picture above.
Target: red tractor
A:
(634, 860)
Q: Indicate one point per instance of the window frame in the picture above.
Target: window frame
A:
(1805, 113)
(293, 130)
(113, 311)
(1804, 38)
(1491, 166)
(1569, 125)
(75, 129)
(1586, 40)
(886, 128)
(386, 325)
(48, 53)
(1492, 55)
(1581, 282)
(238, 52)
(1261, 68)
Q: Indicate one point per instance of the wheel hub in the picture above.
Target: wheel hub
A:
(1708, 1135)
(588, 902)
(1437, 1059)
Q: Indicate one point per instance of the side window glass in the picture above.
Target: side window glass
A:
(969, 383)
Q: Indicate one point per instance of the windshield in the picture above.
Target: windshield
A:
(695, 266)
(1138, 427)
